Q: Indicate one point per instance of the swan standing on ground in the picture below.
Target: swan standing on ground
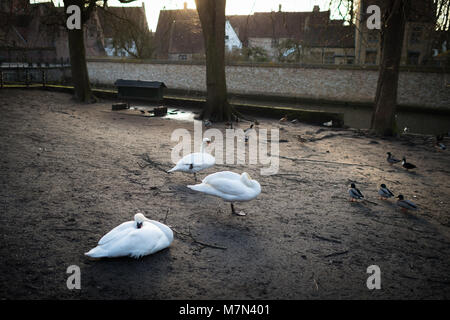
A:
(195, 162)
(229, 186)
(133, 238)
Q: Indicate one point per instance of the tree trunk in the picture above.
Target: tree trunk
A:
(212, 19)
(77, 52)
(393, 29)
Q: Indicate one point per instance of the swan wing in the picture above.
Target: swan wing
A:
(227, 186)
(195, 162)
(165, 229)
(221, 175)
(136, 242)
(118, 231)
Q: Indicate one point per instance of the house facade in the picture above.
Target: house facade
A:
(418, 37)
(179, 35)
(37, 33)
(125, 30)
(308, 37)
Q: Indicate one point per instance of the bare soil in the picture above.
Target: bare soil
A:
(69, 173)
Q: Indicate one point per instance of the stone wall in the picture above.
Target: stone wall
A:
(417, 87)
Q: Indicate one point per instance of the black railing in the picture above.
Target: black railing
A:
(29, 73)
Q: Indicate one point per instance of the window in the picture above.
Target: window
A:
(328, 58)
(274, 43)
(413, 58)
(372, 37)
(182, 57)
(371, 57)
(415, 36)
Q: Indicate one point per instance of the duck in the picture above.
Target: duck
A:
(284, 119)
(384, 192)
(207, 123)
(407, 165)
(230, 186)
(391, 160)
(195, 162)
(135, 239)
(247, 132)
(405, 205)
(354, 192)
(439, 144)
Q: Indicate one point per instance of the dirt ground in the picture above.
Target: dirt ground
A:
(69, 173)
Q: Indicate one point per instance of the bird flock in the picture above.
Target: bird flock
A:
(143, 236)
(384, 192)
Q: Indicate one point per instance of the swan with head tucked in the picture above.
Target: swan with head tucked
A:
(133, 238)
(229, 186)
(195, 162)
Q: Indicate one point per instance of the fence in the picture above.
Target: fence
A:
(34, 73)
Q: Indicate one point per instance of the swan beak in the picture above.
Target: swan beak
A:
(139, 224)
(208, 143)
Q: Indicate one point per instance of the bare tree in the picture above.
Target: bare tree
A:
(212, 19)
(80, 77)
(130, 33)
(393, 29)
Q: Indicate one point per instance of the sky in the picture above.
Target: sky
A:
(242, 7)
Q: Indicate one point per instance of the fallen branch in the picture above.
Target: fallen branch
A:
(336, 254)
(197, 241)
(151, 163)
(325, 239)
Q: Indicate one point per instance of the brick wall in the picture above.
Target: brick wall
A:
(417, 87)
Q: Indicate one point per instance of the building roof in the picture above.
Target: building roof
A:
(113, 17)
(277, 24)
(313, 29)
(178, 31)
(423, 11)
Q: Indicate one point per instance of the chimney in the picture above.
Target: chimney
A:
(279, 7)
(316, 9)
(185, 6)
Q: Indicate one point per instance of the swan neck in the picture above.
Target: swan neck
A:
(203, 147)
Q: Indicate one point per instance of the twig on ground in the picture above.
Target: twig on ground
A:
(325, 239)
(197, 241)
(165, 218)
(336, 254)
(150, 163)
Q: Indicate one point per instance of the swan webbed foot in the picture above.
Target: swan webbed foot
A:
(195, 176)
(240, 213)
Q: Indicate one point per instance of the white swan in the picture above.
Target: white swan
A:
(195, 162)
(229, 186)
(133, 238)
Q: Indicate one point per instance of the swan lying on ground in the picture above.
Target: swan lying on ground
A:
(133, 238)
(195, 162)
(229, 186)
